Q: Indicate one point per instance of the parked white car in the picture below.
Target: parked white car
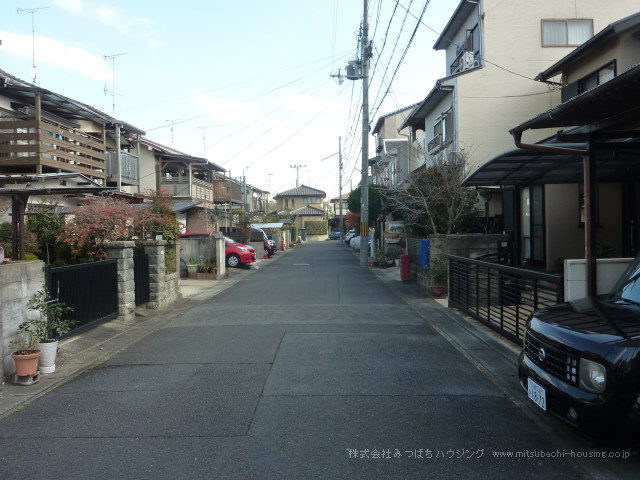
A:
(349, 235)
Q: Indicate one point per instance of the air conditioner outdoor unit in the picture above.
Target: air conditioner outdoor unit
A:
(468, 60)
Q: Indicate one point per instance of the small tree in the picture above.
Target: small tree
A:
(108, 219)
(432, 199)
(161, 206)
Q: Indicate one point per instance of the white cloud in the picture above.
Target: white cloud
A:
(112, 17)
(73, 6)
(52, 52)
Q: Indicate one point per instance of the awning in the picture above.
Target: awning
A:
(614, 161)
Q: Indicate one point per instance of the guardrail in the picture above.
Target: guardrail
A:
(499, 296)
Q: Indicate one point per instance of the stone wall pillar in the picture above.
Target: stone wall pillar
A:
(221, 259)
(122, 252)
(157, 269)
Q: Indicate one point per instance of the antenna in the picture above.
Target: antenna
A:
(32, 11)
(113, 79)
(297, 167)
(173, 122)
(204, 143)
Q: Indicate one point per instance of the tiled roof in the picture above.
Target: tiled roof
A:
(345, 196)
(306, 211)
(302, 191)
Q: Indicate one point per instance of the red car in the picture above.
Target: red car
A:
(236, 253)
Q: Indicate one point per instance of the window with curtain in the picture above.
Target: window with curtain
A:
(598, 77)
(569, 32)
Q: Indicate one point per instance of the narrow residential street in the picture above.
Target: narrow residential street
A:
(310, 367)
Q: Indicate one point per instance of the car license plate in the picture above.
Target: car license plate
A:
(537, 393)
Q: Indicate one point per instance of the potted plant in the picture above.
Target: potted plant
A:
(47, 327)
(210, 267)
(192, 266)
(26, 353)
(438, 270)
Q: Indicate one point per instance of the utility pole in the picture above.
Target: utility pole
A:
(340, 186)
(364, 192)
(244, 192)
(297, 167)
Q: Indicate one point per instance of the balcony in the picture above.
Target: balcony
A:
(223, 186)
(420, 145)
(464, 61)
(435, 145)
(128, 168)
(180, 187)
(49, 145)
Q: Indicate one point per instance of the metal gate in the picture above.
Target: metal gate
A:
(141, 278)
(91, 289)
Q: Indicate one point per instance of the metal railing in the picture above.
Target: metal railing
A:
(499, 296)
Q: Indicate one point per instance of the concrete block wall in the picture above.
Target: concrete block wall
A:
(473, 245)
(19, 281)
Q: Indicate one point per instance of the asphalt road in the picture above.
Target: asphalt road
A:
(311, 367)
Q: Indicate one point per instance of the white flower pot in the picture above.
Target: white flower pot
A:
(47, 362)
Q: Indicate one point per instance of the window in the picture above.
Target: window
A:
(532, 220)
(444, 127)
(598, 77)
(562, 33)
(472, 40)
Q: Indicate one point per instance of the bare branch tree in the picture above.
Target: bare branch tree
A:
(432, 199)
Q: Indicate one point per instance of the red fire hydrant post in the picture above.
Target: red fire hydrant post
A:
(404, 268)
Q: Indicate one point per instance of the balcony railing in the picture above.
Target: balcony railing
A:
(179, 187)
(52, 144)
(435, 144)
(128, 167)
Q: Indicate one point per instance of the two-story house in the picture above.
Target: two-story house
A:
(302, 204)
(45, 132)
(337, 204)
(494, 50)
(189, 180)
(392, 162)
(580, 188)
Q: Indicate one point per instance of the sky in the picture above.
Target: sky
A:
(252, 86)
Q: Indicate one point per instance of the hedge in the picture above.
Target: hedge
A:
(316, 227)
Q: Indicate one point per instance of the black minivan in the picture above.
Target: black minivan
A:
(581, 362)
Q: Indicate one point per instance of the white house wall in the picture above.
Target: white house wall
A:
(147, 169)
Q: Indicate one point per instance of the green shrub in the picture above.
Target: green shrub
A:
(170, 260)
(316, 227)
